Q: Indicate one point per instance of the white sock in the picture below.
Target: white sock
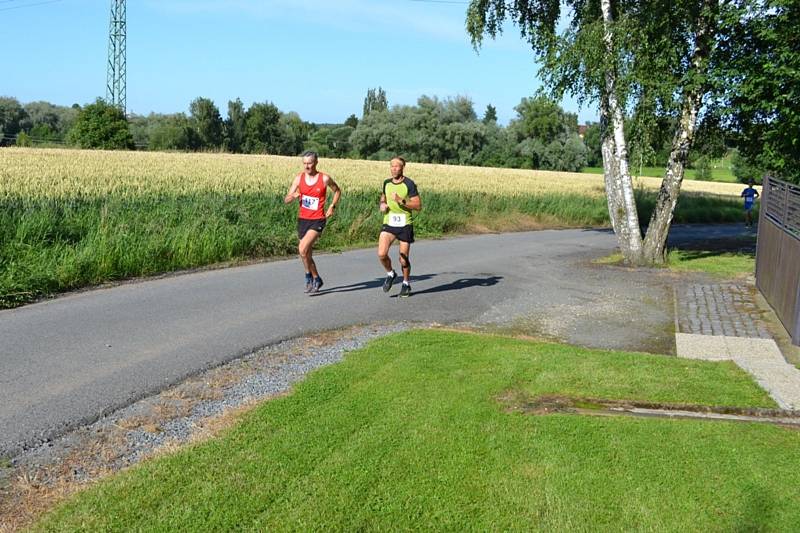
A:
(406, 283)
(391, 273)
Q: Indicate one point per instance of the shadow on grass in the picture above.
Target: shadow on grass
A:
(690, 254)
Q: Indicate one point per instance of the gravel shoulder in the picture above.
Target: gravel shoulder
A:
(194, 410)
(564, 297)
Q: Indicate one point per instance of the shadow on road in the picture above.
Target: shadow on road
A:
(364, 285)
(463, 283)
(713, 237)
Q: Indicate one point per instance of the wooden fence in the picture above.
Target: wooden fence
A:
(778, 252)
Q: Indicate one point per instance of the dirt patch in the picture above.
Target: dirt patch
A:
(517, 401)
(603, 323)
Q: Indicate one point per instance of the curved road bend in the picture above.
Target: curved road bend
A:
(68, 361)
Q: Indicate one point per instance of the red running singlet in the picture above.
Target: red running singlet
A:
(312, 198)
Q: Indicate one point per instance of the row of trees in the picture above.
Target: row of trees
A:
(41, 120)
(449, 131)
(261, 128)
(439, 131)
(444, 131)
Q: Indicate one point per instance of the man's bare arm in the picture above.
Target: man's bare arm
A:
(337, 193)
(293, 193)
(413, 203)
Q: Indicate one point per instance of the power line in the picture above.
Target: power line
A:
(29, 5)
(62, 141)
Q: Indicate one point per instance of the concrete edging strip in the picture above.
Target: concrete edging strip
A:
(759, 357)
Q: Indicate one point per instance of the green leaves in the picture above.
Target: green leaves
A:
(760, 65)
(101, 125)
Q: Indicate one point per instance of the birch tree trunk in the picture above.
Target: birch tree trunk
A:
(610, 170)
(619, 185)
(661, 219)
(655, 241)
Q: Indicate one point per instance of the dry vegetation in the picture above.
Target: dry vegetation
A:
(59, 173)
(71, 219)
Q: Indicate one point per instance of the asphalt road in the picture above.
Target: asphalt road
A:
(68, 361)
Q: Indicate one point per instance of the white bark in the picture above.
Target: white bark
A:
(658, 229)
(621, 193)
(661, 220)
(610, 170)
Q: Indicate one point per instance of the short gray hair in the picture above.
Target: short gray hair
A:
(311, 153)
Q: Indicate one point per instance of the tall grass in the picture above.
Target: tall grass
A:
(49, 246)
(70, 219)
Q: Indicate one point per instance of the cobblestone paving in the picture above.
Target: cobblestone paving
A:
(721, 321)
(718, 309)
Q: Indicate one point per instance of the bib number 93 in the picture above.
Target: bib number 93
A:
(397, 220)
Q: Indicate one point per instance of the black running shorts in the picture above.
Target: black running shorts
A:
(303, 225)
(405, 234)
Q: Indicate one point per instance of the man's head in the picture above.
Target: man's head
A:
(751, 182)
(310, 162)
(397, 164)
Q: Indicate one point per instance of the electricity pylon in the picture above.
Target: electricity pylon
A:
(117, 29)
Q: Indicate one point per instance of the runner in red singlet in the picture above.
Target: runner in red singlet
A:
(311, 187)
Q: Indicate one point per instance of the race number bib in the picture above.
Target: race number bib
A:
(310, 202)
(397, 220)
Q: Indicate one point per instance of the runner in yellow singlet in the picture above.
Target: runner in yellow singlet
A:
(399, 200)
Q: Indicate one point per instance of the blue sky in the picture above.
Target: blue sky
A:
(315, 57)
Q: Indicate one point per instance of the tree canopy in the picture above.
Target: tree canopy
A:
(12, 117)
(102, 125)
(208, 123)
(233, 127)
(650, 57)
(759, 84)
(375, 101)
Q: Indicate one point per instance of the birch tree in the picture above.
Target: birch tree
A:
(620, 54)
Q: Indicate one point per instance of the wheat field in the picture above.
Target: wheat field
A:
(63, 173)
(76, 218)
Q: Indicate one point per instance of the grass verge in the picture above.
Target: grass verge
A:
(55, 245)
(720, 264)
(717, 263)
(410, 433)
(719, 172)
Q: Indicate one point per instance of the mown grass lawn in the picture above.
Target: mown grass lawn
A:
(720, 264)
(410, 433)
(717, 263)
(720, 171)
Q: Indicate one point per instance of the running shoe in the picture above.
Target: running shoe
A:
(316, 285)
(405, 290)
(309, 284)
(387, 283)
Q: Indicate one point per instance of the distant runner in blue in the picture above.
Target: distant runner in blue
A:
(749, 195)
